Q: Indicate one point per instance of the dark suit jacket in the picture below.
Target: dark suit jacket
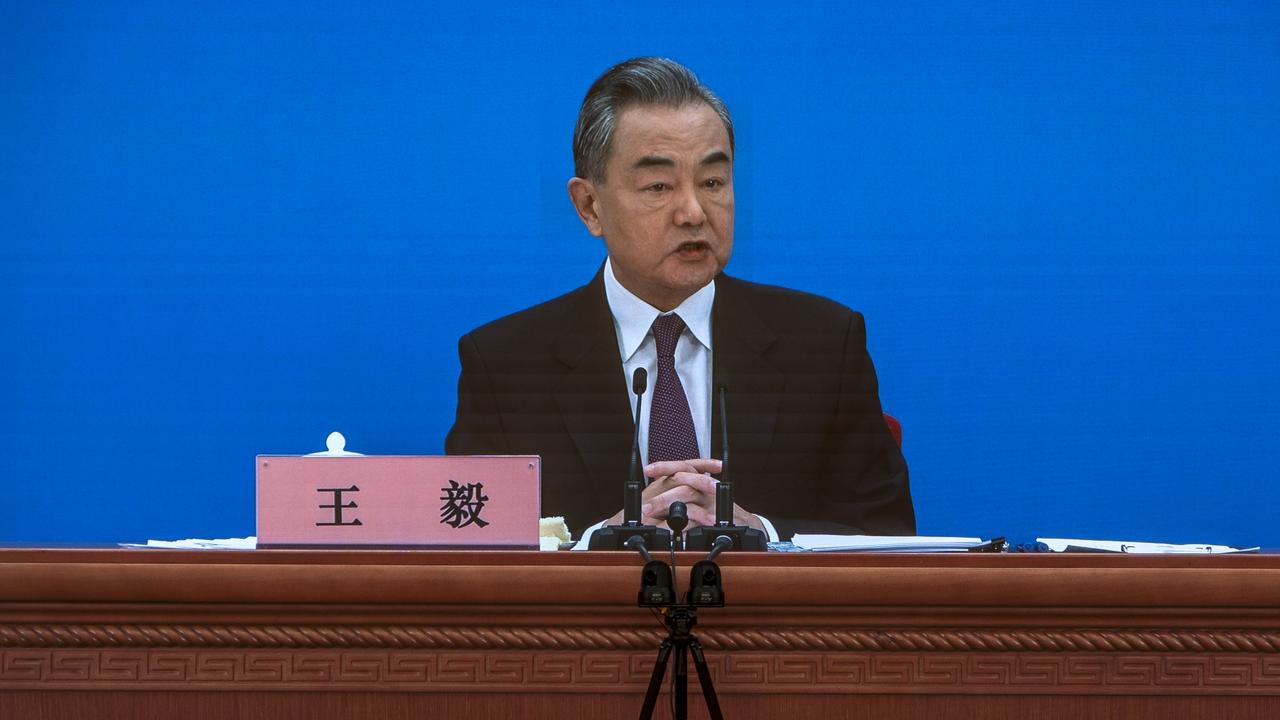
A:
(809, 448)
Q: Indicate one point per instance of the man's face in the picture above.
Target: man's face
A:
(666, 206)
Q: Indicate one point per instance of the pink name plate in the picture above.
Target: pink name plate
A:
(398, 501)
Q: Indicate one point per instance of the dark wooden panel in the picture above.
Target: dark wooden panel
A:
(116, 633)
(410, 706)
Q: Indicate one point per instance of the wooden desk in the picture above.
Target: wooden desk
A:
(275, 634)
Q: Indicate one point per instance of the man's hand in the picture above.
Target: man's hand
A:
(686, 481)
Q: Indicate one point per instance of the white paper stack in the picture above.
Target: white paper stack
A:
(1137, 548)
(245, 543)
(884, 543)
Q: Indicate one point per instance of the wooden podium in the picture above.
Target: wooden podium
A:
(383, 634)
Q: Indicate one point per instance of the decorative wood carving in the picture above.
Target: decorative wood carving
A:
(610, 671)
(628, 638)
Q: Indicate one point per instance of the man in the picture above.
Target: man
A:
(810, 451)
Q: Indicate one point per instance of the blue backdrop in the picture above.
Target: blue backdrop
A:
(228, 230)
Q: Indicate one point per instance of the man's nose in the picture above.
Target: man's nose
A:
(689, 210)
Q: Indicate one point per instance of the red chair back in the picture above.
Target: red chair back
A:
(895, 427)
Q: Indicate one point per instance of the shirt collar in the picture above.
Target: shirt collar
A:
(633, 317)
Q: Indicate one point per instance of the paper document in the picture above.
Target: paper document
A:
(1138, 548)
(884, 543)
(245, 543)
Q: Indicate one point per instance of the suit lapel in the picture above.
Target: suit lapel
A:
(753, 387)
(592, 395)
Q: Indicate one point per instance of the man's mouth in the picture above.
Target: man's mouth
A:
(693, 248)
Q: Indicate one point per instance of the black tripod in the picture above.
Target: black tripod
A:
(657, 590)
(680, 620)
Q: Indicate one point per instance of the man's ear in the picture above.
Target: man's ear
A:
(582, 193)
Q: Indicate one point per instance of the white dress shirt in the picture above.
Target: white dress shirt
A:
(632, 322)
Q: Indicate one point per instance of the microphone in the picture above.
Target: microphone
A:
(635, 542)
(634, 484)
(677, 520)
(739, 537)
(616, 537)
(678, 517)
(724, 489)
(639, 380)
(639, 383)
(722, 543)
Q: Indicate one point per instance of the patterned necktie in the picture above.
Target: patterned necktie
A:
(671, 433)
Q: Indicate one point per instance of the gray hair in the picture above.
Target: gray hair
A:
(638, 81)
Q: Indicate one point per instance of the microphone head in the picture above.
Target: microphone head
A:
(636, 542)
(677, 517)
(639, 381)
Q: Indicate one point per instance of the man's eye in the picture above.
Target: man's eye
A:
(714, 183)
(658, 187)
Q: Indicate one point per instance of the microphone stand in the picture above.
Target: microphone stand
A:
(657, 589)
(616, 537)
(742, 537)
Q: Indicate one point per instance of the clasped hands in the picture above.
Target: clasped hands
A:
(686, 481)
